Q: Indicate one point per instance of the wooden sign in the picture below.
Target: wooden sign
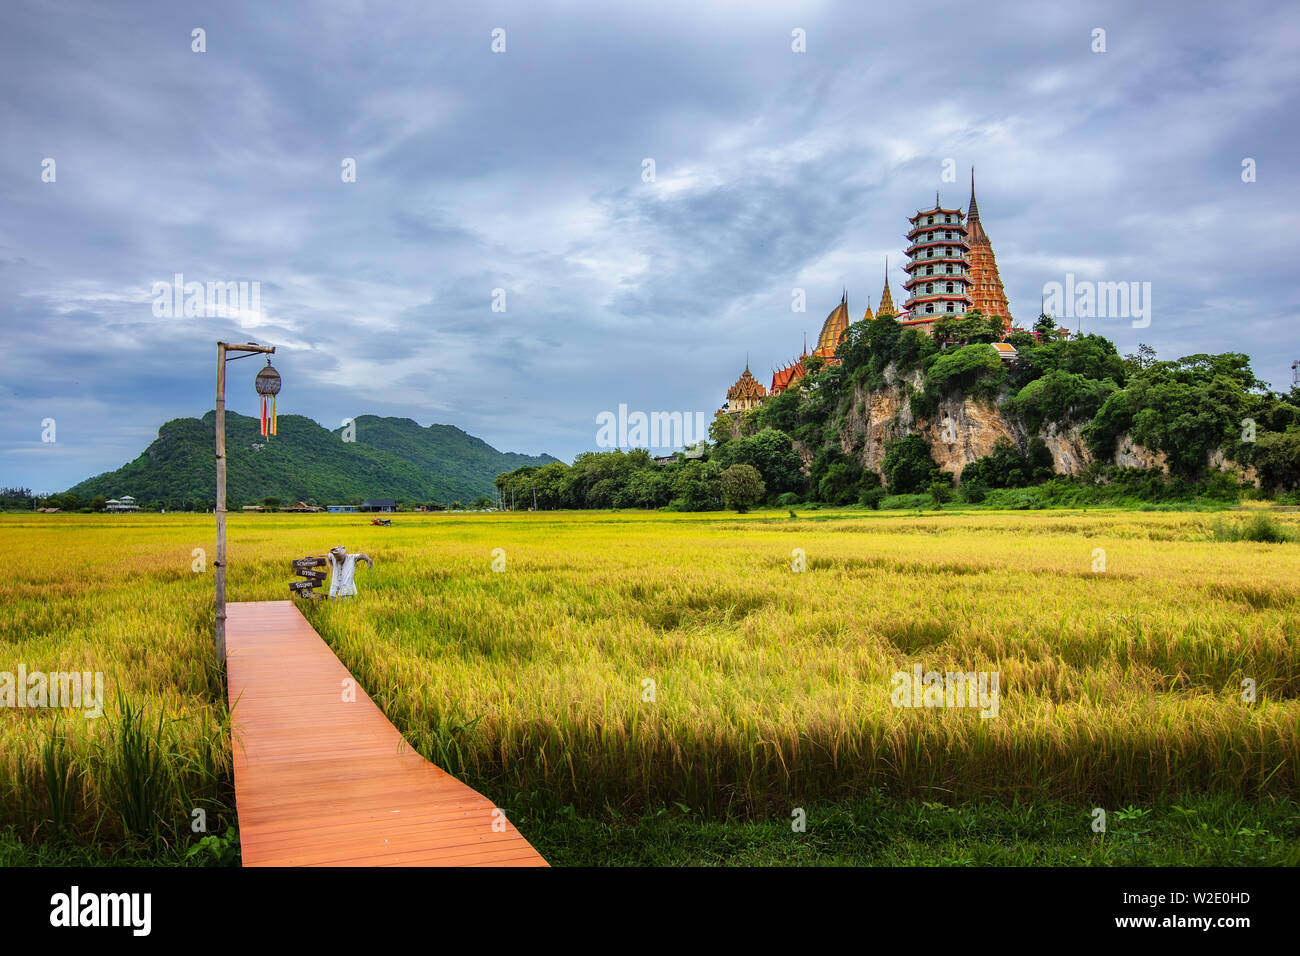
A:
(312, 575)
(302, 586)
(301, 564)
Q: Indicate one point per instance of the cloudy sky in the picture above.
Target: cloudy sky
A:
(524, 171)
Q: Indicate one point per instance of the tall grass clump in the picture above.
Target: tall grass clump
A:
(138, 772)
(57, 773)
(1259, 527)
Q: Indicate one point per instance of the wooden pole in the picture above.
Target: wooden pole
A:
(220, 564)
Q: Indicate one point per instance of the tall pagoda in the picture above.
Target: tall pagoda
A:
(986, 285)
(938, 268)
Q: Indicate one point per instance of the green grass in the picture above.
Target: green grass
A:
(880, 831)
(210, 850)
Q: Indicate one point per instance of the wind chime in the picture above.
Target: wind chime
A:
(267, 384)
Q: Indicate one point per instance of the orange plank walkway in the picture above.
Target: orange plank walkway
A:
(324, 782)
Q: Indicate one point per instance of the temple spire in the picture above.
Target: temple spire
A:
(886, 297)
(974, 214)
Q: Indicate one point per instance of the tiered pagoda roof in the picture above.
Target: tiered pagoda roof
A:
(746, 388)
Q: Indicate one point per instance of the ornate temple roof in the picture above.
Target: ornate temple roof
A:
(783, 378)
(834, 328)
(867, 316)
(746, 387)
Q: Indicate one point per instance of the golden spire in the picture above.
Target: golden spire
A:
(867, 316)
(886, 298)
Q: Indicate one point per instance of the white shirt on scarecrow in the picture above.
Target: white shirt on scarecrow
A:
(343, 568)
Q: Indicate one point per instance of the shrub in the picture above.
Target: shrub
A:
(871, 497)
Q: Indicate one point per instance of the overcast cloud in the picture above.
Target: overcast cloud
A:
(522, 171)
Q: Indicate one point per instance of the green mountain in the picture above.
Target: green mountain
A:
(389, 458)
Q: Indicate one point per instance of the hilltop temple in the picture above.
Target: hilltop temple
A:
(951, 271)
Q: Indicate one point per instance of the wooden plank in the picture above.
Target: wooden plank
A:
(325, 781)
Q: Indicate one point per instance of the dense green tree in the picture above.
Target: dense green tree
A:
(907, 465)
(771, 452)
(1277, 459)
(742, 487)
(1061, 397)
(781, 412)
(974, 370)
(1006, 467)
(697, 486)
(721, 429)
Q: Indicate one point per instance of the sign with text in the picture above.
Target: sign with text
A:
(308, 568)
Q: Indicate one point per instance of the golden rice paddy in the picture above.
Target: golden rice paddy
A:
(625, 660)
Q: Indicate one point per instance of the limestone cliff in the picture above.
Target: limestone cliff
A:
(964, 429)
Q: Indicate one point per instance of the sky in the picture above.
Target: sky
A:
(504, 260)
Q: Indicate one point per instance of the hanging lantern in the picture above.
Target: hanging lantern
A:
(267, 384)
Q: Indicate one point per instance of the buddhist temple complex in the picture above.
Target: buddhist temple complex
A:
(951, 272)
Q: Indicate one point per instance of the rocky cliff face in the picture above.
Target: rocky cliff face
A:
(962, 430)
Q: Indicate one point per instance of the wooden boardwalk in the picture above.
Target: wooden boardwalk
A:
(324, 782)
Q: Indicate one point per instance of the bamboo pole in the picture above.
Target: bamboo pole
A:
(219, 565)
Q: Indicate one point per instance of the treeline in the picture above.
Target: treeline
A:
(617, 479)
(67, 501)
(1200, 412)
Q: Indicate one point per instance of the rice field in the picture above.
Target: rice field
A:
(622, 662)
